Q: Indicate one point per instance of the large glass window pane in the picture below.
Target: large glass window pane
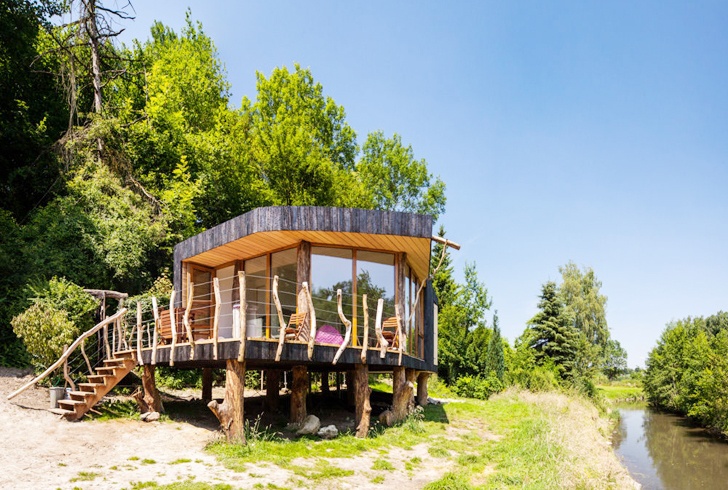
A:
(375, 278)
(201, 302)
(283, 265)
(331, 269)
(256, 285)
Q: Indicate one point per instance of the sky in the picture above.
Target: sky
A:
(592, 132)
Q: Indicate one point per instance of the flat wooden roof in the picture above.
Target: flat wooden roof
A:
(263, 230)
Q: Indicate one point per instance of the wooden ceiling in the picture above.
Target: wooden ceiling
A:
(256, 244)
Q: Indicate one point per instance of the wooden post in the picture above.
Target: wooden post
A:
(151, 394)
(207, 384)
(230, 412)
(113, 338)
(365, 343)
(350, 389)
(422, 378)
(66, 374)
(243, 317)
(298, 394)
(216, 319)
(155, 338)
(281, 322)
(402, 394)
(186, 318)
(85, 357)
(325, 382)
(411, 377)
(400, 332)
(272, 389)
(106, 341)
(173, 324)
(139, 332)
(363, 407)
(383, 343)
(311, 320)
(347, 323)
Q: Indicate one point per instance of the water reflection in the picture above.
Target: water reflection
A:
(663, 451)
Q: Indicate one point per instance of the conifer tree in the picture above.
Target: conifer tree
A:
(495, 359)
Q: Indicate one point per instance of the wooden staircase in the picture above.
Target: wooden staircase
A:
(98, 385)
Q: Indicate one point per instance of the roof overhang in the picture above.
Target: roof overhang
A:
(263, 230)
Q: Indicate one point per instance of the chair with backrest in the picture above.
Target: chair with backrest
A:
(298, 328)
(390, 332)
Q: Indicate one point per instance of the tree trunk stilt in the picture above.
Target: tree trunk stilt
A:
(272, 389)
(422, 395)
(298, 394)
(325, 382)
(411, 377)
(402, 394)
(363, 407)
(151, 394)
(230, 412)
(207, 384)
(350, 397)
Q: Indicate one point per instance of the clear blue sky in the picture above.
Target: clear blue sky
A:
(595, 132)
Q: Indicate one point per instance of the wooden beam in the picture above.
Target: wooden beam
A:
(230, 412)
(155, 339)
(207, 384)
(173, 324)
(299, 391)
(272, 389)
(363, 406)
(422, 395)
(445, 242)
(216, 319)
(151, 394)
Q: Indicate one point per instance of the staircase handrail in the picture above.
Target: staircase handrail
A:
(68, 352)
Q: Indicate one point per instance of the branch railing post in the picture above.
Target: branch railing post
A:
(155, 309)
(216, 318)
(173, 325)
(242, 316)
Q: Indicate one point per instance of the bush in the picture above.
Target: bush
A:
(59, 312)
(478, 387)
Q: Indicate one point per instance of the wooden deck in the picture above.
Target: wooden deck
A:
(260, 354)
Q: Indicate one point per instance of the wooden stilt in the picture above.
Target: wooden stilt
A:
(151, 394)
(272, 389)
(207, 384)
(350, 398)
(155, 339)
(402, 394)
(363, 407)
(230, 412)
(422, 396)
(298, 394)
(325, 382)
(411, 377)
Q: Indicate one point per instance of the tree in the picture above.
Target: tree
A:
(552, 332)
(443, 281)
(495, 361)
(615, 359)
(396, 180)
(585, 306)
(301, 142)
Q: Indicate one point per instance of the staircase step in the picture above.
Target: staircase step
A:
(90, 387)
(115, 362)
(75, 405)
(81, 395)
(97, 378)
(60, 411)
(110, 370)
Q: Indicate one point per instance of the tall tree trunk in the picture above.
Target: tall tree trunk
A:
(230, 413)
(298, 394)
(151, 394)
(363, 407)
(207, 384)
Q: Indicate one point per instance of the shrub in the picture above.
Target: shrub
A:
(478, 387)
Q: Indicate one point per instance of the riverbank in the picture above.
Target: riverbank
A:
(514, 440)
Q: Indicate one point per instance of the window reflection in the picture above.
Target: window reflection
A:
(256, 286)
(331, 269)
(375, 278)
(283, 265)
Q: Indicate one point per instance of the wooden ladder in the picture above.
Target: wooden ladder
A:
(98, 385)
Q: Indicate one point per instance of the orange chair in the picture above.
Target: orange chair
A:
(298, 327)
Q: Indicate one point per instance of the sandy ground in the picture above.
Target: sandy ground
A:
(39, 450)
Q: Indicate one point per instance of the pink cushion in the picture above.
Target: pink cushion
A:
(327, 334)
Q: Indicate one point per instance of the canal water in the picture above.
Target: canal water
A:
(664, 451)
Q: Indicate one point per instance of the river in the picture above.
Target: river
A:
(664, 451)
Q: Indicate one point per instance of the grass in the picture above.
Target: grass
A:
(617, 392)
(514, 440)
(85, 476)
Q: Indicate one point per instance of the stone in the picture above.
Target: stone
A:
(143, 417)
(311, 425)
(328, 432)
(151, 417)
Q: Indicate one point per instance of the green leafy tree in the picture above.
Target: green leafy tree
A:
(615, 359)
(552, 333)
(396, 180)
(495, 358)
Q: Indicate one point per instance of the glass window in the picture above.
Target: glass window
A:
(331, 269)
(202, 302)
(256, 286)
(375, 278)
(283, 265)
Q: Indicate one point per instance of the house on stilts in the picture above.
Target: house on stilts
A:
(301, 289)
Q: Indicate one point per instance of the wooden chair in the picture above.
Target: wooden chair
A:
(164, 333)
(298, 328)
(390, 332)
